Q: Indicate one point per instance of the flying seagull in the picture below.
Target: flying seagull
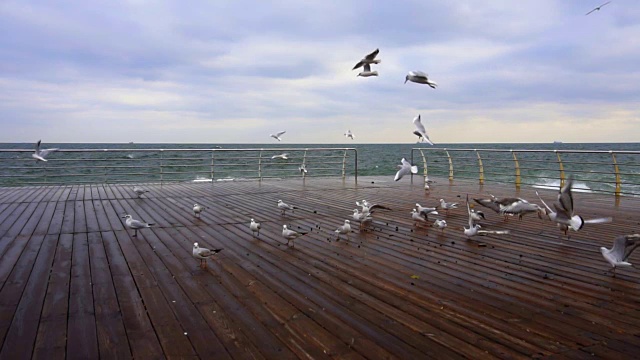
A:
(623, 246)
(597, 8)
(366, 71)
(283, 156)
(135, 224)
(420, 131)
(420, 78)
(203, 254)
(405, 169)
(565, 212)
(369, 59)
(277, 135)
(349, 134)
(41, 154)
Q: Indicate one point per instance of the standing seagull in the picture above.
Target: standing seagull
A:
(420, 78)
(440, 224)
(405, 169)
(623, 246)
(203, 254)
(40, 154)
(284, 207)
(448, 206)
(597, 8)
(420, 131)
(369, 59)
(139, 191)
(135, 224)
(277, 135)
(197, 209)
(255, 227)
(291, 235)
(344, 229)
(349, 134)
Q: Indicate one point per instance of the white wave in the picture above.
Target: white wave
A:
(554, 184)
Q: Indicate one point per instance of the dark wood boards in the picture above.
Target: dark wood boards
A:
(74, 282)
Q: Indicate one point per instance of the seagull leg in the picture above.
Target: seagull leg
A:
(135, 232)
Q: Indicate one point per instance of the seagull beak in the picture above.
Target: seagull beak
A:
(405, 80)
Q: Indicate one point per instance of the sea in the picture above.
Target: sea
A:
(591, 164)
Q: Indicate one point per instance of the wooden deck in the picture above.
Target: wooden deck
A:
(74, 283)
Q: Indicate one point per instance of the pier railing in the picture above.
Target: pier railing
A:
(88, 166)
(615, 172)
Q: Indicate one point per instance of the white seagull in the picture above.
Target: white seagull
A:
(597, 8)
(623, 246)
(364, 218)
(420, 78)
(420, 131)
(565, 212)
(277, 135)
(41, 154)
(284, 207)
(426, 211)
(303, 169)
(448, 206)
(255, 227)
(139, 191)
(418, 218)
(344, 229)
(135, 224)
(405, 169)
(197, 209)
(291, 235)
(203, 254)
(283, 156)
(440, 224)
(369, 59)
(349, 134)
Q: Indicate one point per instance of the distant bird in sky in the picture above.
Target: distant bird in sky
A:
(41, 154)
(349, 134)
(203, 254)
(277, 135)
(405, 169)
(420, 78)
(623, 246)
(197, 209)
(420, 131)
(597, 8)
(369, 59)
(255, 227)
(135, 224)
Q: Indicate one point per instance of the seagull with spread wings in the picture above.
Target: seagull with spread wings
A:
(597, 8)
(41, 154)
(420, 131)
(623, 246)
(277, 135)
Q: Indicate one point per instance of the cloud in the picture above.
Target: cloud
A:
(236, 71)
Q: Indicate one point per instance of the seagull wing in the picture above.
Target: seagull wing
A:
(603, 220)
(544, 203)
(469, 214)
(366, 68)
(280, 133)
(631, 242)
(38, 146)
(566, 198)
(419, 74)
(360, 63)
(46, 152)
(488, 204)
(372, 55)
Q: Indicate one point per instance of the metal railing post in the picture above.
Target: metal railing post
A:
(561, 167)
(481, 169)
(517, 166)
(260, 165)
(304, 163)
(344, 163)
(211, 173)
(616, 170)
(450, 165)
(424, 165)
(355, 151)
(161, 167)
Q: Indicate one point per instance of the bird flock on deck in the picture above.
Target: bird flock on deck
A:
(564, 216)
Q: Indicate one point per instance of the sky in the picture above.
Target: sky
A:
(237, 71)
